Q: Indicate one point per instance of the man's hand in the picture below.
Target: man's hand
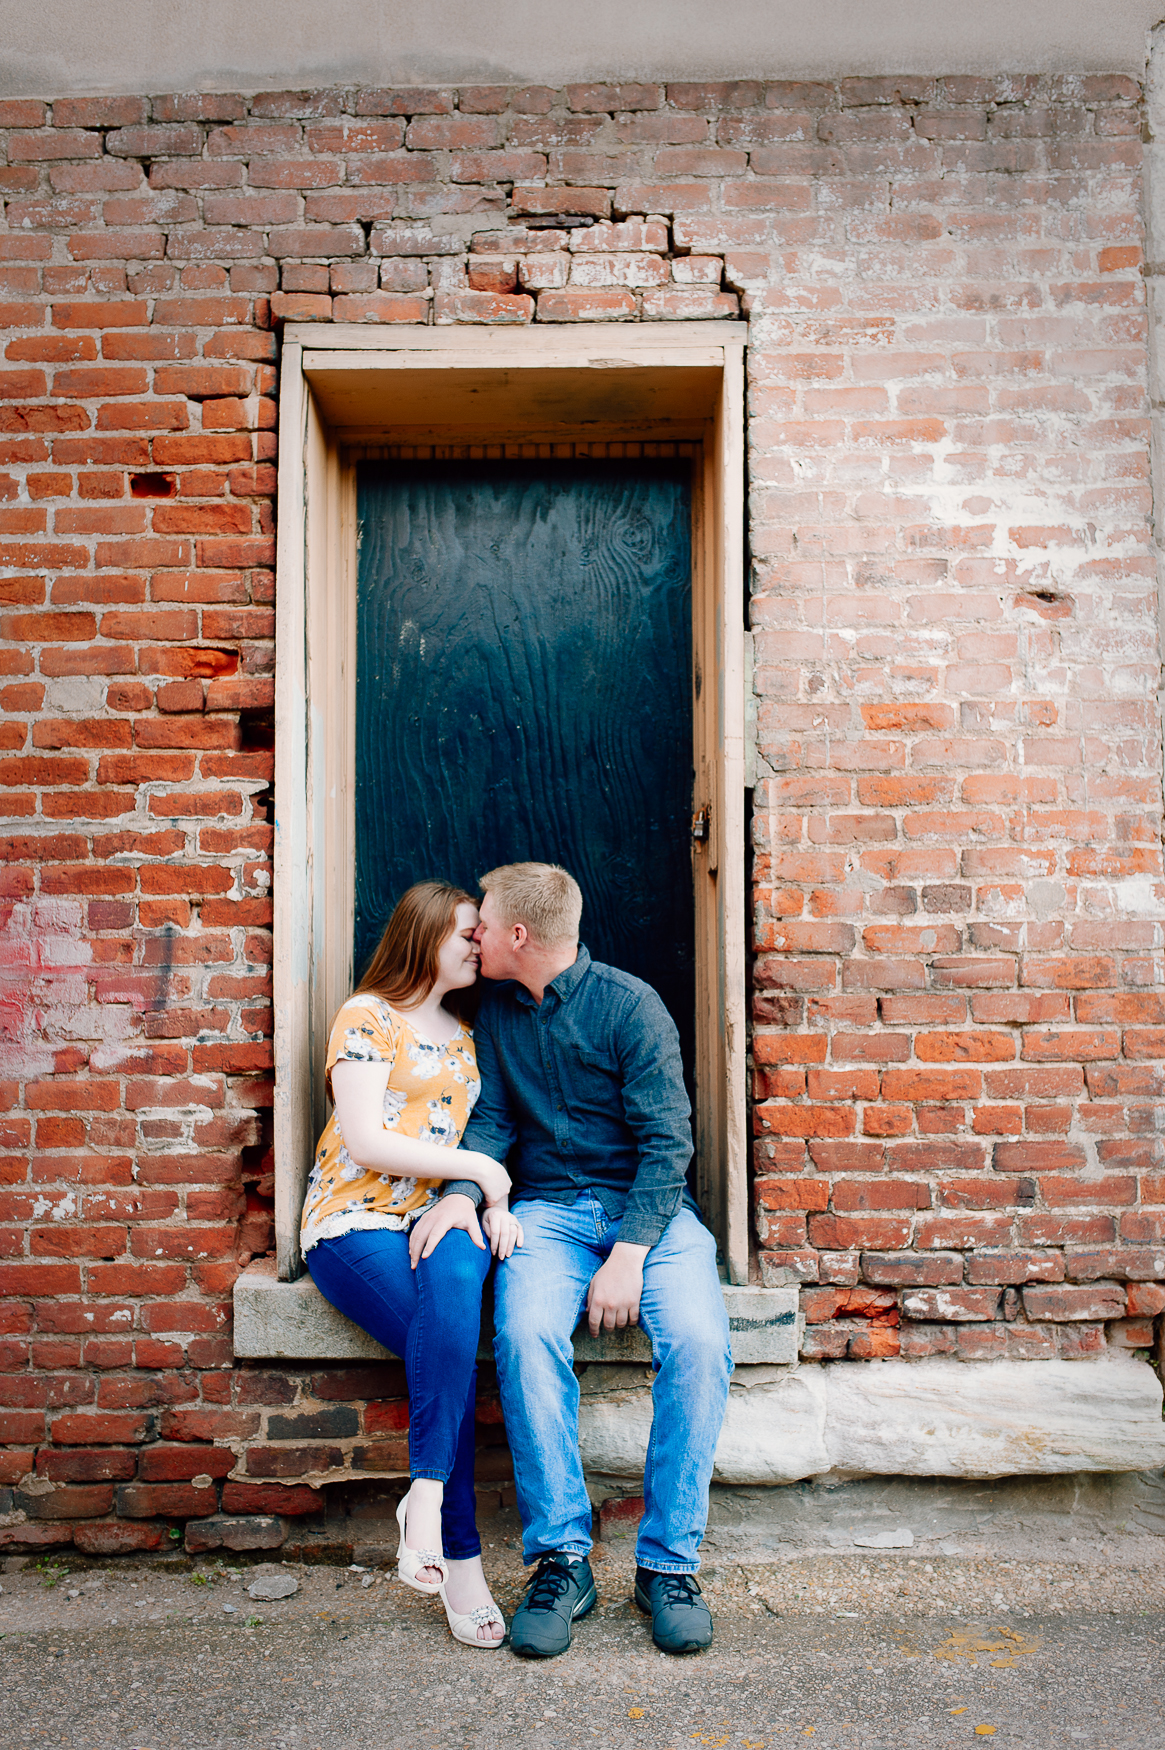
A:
(615, 1290)
(427, 1232)
(503, 1230)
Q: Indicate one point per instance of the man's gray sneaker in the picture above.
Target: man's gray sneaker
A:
(560, 1592)
(680, 1620)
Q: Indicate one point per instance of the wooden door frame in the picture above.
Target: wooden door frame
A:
(348, 390)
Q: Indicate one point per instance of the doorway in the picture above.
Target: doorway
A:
(524, 691)
(595, 398)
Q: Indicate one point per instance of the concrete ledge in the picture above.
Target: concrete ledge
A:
(291, 1321)
(906, 1418)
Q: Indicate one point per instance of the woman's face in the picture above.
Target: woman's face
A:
(458, 958)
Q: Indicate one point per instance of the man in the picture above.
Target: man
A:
(583, 1099)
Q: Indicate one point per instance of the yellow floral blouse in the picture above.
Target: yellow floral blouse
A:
(431, 1091)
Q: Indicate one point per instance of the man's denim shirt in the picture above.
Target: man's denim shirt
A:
(584, 1092)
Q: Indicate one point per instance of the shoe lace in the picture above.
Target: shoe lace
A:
(678, 1588)
(547, 1586)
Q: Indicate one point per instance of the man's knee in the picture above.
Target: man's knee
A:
(527, 1323)
(700, 1350)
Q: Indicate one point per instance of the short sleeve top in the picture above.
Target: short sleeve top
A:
(431, 1092)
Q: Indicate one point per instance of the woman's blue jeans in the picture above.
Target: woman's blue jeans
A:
(431, 1318)
(540, 1292)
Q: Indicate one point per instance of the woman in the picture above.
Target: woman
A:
(403, 1079)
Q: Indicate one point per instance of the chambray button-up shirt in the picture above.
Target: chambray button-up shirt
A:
(584, 1092)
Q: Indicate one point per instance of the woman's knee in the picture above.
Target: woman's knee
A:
(457, 1269)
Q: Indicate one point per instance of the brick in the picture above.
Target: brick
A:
(67, 1501)
(1131, 1333)
(209, 1423)
(385, 306)
(874, 1344)
(322, 1424)
(405, 100)
(1008, 1267)
(388, 1457)
(32, 1537)
(585, 305)
(1064, 1303)
(384, 1379)
(840, 1233)
(113, 1537)
(851, 1194)
(526, 201)
(825, 1342)
(171, 1500)
(100, 1428)
(919, 1340)
(780, 1268)
(1145, 1300)
(292, 1461)
(1138, 1263)
(912, 1270)
(822, 1305)
(792, 1193)
(180, 1464)
(690, 303)
(489, 307)
(224, 1532)
(79, 1466)
(292, 1501)
(950, 1305)
(594, 98)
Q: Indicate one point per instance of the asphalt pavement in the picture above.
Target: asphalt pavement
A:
(870, 1651)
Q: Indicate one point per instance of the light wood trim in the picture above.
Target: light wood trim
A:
(510, 358)
(292, 966)
(709, 1102)
(315, 715)
(611, 342)
(729, 824)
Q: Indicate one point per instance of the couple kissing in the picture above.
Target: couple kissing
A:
(552, 1136)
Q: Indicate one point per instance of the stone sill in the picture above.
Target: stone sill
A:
(291, 1321)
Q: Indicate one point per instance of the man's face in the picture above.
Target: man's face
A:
(495, 942)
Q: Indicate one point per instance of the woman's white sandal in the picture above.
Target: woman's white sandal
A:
(464, 1628)
(409, 1562)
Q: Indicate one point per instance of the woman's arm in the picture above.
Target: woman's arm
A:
(358, 1092)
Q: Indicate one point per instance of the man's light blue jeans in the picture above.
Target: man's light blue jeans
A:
(540, 1292)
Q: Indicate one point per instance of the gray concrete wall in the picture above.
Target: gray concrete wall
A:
(61, 47)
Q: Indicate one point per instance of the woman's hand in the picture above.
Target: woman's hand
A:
(427, 1232)
(502, 1229)
(486, 1172)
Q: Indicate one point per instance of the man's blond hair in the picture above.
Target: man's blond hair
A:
(541, 896)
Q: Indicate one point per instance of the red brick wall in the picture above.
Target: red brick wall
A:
(958, 1010)
(958, 867)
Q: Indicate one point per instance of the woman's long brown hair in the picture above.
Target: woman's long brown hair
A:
(403, 968)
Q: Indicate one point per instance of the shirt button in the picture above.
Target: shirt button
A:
(558, 1108)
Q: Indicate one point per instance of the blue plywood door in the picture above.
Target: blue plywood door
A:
(523, 690)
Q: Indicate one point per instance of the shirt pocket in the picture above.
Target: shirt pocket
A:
(590, 1074)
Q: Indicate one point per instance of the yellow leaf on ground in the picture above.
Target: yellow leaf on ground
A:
(984, 1731)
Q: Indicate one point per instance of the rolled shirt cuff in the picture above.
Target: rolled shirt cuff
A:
(639, 1227)
(465, 1188)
